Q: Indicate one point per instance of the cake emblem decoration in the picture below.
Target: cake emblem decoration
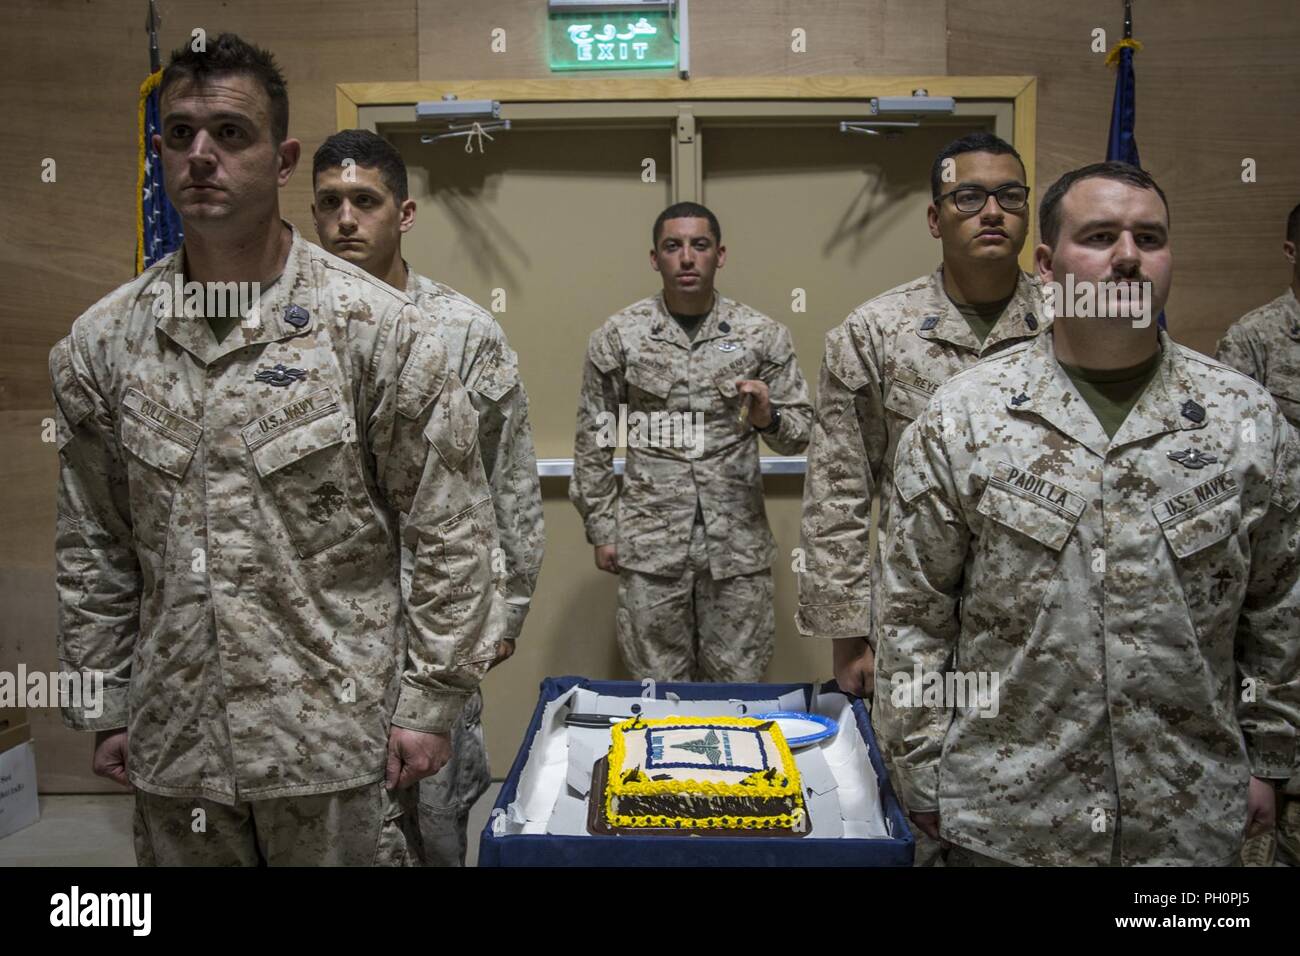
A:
(702, 773)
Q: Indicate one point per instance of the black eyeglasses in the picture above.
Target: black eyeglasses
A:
(1012, 197)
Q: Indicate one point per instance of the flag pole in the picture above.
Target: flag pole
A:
(155, 61)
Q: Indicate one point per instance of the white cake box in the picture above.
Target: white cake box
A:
(541, 815)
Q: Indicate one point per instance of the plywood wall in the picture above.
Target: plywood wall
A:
(728, 38)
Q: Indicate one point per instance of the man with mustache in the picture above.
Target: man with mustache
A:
(1110, 522)
(880, 367)
(234, 493)
(697, 377)
(1265, 344)
(362, 208)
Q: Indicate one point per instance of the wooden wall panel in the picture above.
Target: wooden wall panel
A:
(728, 38)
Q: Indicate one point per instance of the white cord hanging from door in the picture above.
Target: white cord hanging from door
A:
(476, 134)
(473, 133)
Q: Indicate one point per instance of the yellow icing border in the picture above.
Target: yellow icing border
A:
(615, 788)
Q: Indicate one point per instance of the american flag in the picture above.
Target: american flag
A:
(158, 227)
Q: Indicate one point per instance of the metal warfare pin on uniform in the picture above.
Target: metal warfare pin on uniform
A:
(1193, 458)
(726, 345)
(1193, 412)
(280, 376)
(296, 316)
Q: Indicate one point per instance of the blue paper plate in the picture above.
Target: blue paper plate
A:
(803, 729)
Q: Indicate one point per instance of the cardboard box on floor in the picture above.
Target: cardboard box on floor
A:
(18, 804)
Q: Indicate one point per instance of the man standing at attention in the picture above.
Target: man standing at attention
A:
(1265, 344)
(1108, 524)
(233, 491)
(696, 377)
(880, 367)
(882, 364)
(361, 209)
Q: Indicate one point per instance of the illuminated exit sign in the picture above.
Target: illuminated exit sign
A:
(596, 40)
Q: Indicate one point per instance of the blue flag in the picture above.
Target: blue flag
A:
(157, 225)
(1122, 144)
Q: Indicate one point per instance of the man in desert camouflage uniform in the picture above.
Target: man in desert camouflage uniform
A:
(234, 492)
(1265, 344)
(361, 212)
(880, 367)
(698, 377)
(1117, 544)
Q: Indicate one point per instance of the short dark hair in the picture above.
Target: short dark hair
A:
(223, 56)
(1293, 225)
(971, 143)
(365, 149)
(686, 210)
(1049, 210)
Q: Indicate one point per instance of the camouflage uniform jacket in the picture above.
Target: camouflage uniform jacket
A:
(880, 367)
(642, 359)
(229, 519)
(479, 354)
(1265, 344)
(1122, 591)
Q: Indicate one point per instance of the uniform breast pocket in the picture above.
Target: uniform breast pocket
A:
(311, 466)
(906, 400)
(1030, 520)
(651, 386)
(1201, 527)
(160, 443)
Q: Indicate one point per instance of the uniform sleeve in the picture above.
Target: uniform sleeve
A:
(96, 571)
(926, 544)
(423, 433)
(510, 463)
(1235, 349)
(592, 488)
(845, 455)
(1268, 650)
(787, 391)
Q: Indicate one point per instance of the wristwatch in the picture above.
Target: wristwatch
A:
(773, 425)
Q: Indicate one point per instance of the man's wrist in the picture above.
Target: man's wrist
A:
(771, 427)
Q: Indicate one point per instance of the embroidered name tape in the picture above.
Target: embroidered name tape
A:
(314, 405)
(1196, 499)
(162, 416)
(1038, 488)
